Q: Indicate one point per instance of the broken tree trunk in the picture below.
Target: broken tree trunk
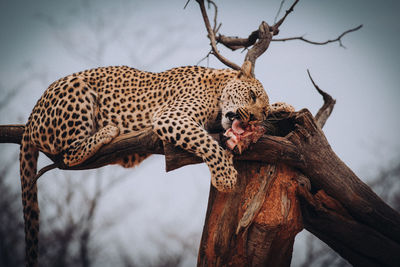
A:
(256, 224)
(344, 213)
(349, 217)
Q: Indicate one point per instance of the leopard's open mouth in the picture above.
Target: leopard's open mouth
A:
(241, 135)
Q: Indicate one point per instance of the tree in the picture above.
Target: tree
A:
(335, 205)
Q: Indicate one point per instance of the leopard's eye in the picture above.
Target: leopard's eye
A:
(253, 95)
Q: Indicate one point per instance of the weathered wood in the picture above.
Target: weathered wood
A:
(326, 171)
(256, 224)
(270, 149)
(359, 244)
(11, 133)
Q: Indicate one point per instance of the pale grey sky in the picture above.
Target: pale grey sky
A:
(51, 39)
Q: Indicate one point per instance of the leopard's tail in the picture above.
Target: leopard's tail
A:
(28, 161)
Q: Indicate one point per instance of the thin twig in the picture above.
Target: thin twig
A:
(279, 23)
(215, 15)
(259, 39)
(211, 36)
(204, 58)
(338, 39)
(279, 11)
(234, 43)
(186, 4)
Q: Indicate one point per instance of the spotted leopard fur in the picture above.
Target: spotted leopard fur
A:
(80, 113)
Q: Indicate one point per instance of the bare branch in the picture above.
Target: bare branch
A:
(279, 23)
(211, 36)
(328, 219)
(187, 2)
(11, 133)
(259, 39)
(325, 111)
(301, 38)
(215, 27)
(268, 149)
(204, 58)
(279, 11)
(264, 39)
(235, 43)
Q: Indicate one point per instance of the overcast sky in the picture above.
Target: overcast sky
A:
(44, 40)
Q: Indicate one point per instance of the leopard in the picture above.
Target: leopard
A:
(82, 112)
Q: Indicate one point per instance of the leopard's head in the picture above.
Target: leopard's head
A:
(243, 98)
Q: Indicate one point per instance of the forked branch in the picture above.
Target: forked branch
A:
(211, 36)
(258, 41)
(338, 39)
(262, 44)
(279, 23)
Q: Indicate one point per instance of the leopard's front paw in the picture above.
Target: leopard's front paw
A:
(224, 178)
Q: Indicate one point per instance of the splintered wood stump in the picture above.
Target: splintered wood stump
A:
(256, 224)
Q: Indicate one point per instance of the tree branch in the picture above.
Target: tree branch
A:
(361, 245)
(279, 10)
(326, 171)
(11, 133)
(268, 149)
(262, 44)
(259, 39)
(235, 43)
(276, 26)
(325, 111)
(211, 36)
(301, 38)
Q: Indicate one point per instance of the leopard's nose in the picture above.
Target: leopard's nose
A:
(231, 115)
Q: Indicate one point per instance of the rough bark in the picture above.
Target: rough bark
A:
(351, 219)
(257, 223)
(360, 244)
(326, 171)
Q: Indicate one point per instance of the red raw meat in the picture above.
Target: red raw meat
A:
(241, 136)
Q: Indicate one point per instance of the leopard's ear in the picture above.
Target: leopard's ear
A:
(247, 70)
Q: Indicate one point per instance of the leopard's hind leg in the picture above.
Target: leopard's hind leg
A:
(82, 150)
(75, 133)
